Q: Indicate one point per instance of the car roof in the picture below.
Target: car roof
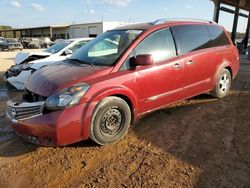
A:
(139, 26)
(163, 22)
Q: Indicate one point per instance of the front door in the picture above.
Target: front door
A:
(161, 83)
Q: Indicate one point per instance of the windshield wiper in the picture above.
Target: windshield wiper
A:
(80, 62)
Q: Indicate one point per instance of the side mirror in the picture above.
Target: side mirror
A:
(142, 60)
(68, 52)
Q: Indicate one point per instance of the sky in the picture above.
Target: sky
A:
(30, 13)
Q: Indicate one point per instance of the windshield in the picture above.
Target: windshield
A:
(58, 46)
(106, 48)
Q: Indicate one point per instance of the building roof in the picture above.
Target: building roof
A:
(244, 4)
(41, 27)
(59, 26)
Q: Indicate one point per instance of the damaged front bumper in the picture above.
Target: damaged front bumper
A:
(17, 79)
(33, 122)
(28, 121)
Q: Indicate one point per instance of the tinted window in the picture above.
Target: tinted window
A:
(160, 45)
(191, 37)
(218, 36)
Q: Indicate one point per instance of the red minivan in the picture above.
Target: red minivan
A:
(121, 75)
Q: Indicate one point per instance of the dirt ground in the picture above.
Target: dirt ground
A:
(201, 142)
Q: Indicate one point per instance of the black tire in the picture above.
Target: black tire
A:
(110, 121)
(223, 84)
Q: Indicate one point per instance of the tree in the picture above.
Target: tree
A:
(3, 27)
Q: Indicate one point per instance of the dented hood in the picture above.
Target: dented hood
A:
(22, 56)
(50, 79)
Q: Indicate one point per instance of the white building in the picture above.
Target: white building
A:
(91, 29)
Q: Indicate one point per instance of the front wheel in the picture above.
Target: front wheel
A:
(223, 84)
(110, 121)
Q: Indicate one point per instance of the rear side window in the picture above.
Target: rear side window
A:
(191, 38)
(218, 36)
(159, 44)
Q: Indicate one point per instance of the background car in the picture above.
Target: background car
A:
(45, 42)
(14, 44)
(4, 45)
(27, 63)
(35, 43)
(56, 41)
(25, 41)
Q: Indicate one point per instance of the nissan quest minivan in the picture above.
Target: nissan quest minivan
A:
(121, 75)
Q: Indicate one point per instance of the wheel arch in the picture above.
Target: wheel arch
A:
(230, 70)
(130, 104)
(223, 65)
(124, 93)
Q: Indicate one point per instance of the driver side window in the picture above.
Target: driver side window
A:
(159, 44)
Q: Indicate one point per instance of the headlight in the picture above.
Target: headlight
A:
(21, 67)
(67, 97)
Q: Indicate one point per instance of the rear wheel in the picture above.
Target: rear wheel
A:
(110, 121)
(223, 84)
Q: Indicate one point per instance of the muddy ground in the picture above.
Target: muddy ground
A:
(201, 142)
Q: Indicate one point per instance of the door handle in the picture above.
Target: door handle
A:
(176, 66)
(190, 62)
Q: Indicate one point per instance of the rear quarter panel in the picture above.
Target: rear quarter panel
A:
(228, 57)
(235, 59)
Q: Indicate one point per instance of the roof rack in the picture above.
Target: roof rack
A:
(165, 20)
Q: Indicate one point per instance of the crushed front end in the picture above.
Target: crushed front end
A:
(32, 121)
(17, 75)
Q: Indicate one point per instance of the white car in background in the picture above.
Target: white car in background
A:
(26, 63)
